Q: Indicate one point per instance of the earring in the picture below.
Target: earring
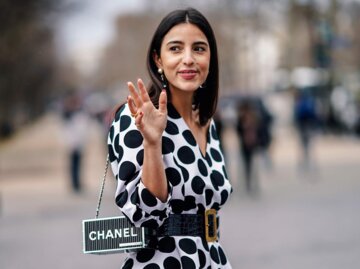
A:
(161, 72)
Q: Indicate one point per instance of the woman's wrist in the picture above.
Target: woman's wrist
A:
(152, 145)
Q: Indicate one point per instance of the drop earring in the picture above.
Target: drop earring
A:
(161, 72)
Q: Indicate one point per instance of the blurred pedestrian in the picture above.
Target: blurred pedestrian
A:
(305, 120)
(248, 128)
(75, 125)
(266, 120)
(165, 152)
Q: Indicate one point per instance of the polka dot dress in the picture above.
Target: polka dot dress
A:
(196, 183)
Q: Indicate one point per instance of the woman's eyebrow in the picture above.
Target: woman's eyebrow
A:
(201, 43)
(172, 42)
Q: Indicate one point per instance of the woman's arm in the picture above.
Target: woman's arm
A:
(151, 122)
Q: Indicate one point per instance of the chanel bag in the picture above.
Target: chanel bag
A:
(113, 234)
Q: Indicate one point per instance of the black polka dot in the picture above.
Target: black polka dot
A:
(217, 179)
(134, 176)
(184, 172)
(111, 132)
(216, 155)
(186, 155)
(148, 198)
(173, 176)
(159, 213)
(214, 254)
(171, 128)
(122, 198)
(117, 115)
(187, 263)
(202, 168)
(125, 121)
(188, 246)
(126, 170)
(222, 255)
(177, 206)
(224, 171)
(145, 255)
(140, 157)
(167, 145)
(116, 143)
(224, 196)
(135, 197)
(197, 185)
(208, 159)
(152, 266)
(189, 203)
(189, 137)
(137, 215)
(112, 156)
(216, 206)
(214, 133)
(129, 263)
(208, 196)
(120, 152)
(205, 244)
(202, 258)
(167, 244)
(133, 139)
(172, 263)
(201, 209)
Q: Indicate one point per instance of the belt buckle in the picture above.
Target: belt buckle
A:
(210, 225)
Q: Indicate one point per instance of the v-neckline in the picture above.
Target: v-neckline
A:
(203, 154)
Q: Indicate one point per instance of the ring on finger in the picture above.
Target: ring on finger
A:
(134, 115)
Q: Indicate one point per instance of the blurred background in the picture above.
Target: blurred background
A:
(288, 117)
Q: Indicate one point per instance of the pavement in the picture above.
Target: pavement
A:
(298, 219)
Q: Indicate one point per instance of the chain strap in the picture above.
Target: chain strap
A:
(102, 187)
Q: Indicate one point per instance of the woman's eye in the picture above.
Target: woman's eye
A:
(200, 49)
(175, 48)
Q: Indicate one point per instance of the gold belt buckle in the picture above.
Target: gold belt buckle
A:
(210, 225)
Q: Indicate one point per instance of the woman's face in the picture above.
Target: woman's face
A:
(184, 57)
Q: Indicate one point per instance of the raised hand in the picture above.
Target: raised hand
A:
(151, 122)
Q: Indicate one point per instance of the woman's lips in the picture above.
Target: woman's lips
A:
(187, 74)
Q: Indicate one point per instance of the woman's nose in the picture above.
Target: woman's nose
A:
(188, 57)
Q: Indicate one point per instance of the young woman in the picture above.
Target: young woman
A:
(165, 152)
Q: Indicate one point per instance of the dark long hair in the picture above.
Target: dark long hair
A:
(205, 98)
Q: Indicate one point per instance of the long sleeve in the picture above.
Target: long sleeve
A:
(126, 157)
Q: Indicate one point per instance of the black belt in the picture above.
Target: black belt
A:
(203, 225)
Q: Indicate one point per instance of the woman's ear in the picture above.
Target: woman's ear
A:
(157, 60)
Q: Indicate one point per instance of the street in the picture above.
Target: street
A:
(299, 219)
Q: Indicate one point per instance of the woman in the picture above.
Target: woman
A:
(164, 150)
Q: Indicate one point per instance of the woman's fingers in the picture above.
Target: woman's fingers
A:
(163, 102)
(132, 107)
(134, 94)
(143, 92)
(138, 119)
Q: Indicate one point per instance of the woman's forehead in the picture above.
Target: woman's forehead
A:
(185, 32)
